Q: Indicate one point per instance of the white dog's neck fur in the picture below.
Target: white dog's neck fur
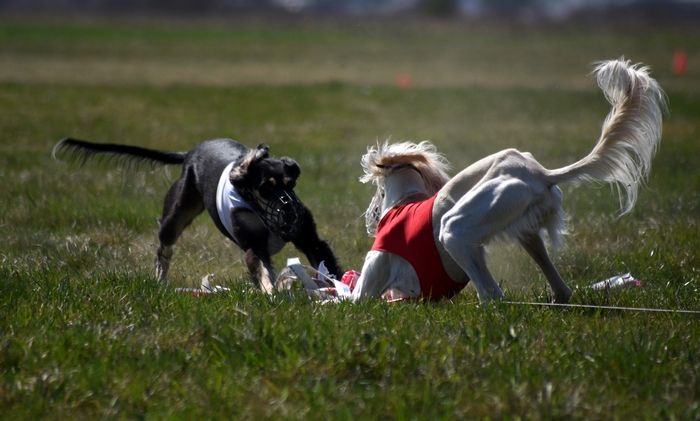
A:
(403, 186)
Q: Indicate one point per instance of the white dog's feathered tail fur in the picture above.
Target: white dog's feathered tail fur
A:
(509, 192)
(631, 133)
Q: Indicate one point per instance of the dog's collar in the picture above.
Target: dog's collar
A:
(397, 167)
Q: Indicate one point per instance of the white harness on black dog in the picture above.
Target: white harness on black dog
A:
(228, 198)
(283, 215)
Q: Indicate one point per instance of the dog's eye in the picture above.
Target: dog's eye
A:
(265, 188)
(268, 185)
(289, 183)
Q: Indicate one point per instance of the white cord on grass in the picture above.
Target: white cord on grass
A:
(656, 310)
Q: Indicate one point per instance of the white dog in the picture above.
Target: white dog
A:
(431, 230)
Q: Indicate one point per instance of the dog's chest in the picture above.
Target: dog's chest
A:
(274, 244)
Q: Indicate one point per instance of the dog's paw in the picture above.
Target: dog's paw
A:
(162, 263)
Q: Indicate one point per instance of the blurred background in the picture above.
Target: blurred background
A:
(629, 12)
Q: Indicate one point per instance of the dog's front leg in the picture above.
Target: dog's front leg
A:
(162, 262)
(260, 269)
(253, 237)
(375, 276)
(315, 249)
(383, 271)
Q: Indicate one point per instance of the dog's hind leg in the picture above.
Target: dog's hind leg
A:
(534, 246)
(473, 261)
(183, 204)
(485, 212)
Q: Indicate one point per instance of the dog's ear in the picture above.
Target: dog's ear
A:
(262, 151)
(291, 167)
(240, 170)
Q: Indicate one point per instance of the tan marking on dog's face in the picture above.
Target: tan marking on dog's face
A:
(272, 181)
(287, 180)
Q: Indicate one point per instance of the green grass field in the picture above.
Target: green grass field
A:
(86, 332)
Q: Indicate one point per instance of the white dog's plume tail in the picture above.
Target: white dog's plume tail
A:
(631, 132)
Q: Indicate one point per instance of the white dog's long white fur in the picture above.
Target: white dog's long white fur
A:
(509, 192)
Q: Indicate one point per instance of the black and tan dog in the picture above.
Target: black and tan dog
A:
(249, 195)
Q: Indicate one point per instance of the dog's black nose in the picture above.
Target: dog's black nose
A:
(287, 213)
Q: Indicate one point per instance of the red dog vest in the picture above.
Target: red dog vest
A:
(407, 231)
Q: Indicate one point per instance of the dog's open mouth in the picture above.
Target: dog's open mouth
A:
(283, 214)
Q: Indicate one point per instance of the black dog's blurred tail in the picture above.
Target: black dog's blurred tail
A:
(123, 153)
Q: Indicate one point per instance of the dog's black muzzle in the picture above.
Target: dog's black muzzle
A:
(283, 214)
